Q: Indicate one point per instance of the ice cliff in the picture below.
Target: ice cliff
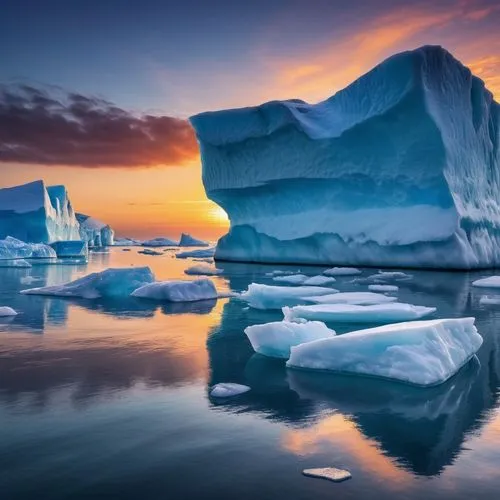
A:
(95, 232)
(401, 168)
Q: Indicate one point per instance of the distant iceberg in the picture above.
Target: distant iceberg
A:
(159, 242)
(202, 253)
(126, 242)
(401, 168)
(178, 291)
(12, 248)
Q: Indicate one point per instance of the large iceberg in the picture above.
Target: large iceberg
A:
(111, 283)
(418, 352)
(95, 232)
(399, 168)
(35, 213)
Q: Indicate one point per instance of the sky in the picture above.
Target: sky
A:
(130, 72)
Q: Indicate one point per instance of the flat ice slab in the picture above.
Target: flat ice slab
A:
(148, 251)
(349, 313)
(423, 353)
(178, 291)
(489, 301)
(319, 280)
(383, 288)
(202, 253)
(262, 296)
(330, 473)
(355, 298)
(228, 389)
(342, 271)
(7, 311)
(292, 279)
(383, 276)
(490, 282)
(275, 339)
(111, 283)
(203, 270)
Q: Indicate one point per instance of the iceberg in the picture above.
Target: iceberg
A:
(275, 339)
(261, 296)
(351, 313)
(356, 298)
(94, 232)
(490, 282)
(383, 288)
(74, 248)
(126, 242)
(203, 270)
(319, 281)
(423, 353)
(12, 248)
(342, 271)
(202, 253)
(330, 473)
(400, 168)
(178, 291)
(292, 279)
(148, 251)
(111, 283)
(36, 213)
(7, 311)
(188, 241)
(159, 242)
(228, 389)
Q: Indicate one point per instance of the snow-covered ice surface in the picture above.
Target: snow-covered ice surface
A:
(75, 248)
(330, 473)
(12, 248)
(342, 271)
(178, 291)
(201, 253)
(423, 353)
(111, 283)
(261, 296)
(160, 242)
(383, 288)
(188, 241)
(7, 311)
(275, 339)
(94, 232)
(490, 282)
(36, 213)
(350, 313)
(228, 389)
(356, 298)
(203, 270)
(421, 192)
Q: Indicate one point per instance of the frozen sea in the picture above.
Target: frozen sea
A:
(108, 400)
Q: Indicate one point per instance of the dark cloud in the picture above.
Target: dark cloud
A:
(53, 127)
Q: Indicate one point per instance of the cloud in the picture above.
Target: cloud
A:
(54, 127)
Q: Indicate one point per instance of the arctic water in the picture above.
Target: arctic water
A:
(110, 399)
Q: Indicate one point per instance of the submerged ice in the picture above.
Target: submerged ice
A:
(420, 192)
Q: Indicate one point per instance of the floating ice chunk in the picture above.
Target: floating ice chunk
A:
(178, 291)
(383, 276)
(159, 242)
(279, 272)
(292, 279)
(342, 271)
(14, 263)
(188, 241)
(203, 270)
(228, 389)
(74, 248)
(7, 311)
(490, 282)
(383, 288)
(417, 352)
(356, 298)
(12, 248)
(94, 232)
(350, 313)
(319, 281)
(126, 242)
(111, 283)
(490, 301)
(275, 339)
(148, 251)
(202, 253)
(274, 297)
(330, 473)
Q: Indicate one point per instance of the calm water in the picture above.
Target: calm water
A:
(110, 400)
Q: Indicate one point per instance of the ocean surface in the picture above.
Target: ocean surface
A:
(103, 399)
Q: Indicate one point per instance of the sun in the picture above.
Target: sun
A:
(218, 216)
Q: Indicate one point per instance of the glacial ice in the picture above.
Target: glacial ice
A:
(423, 353)
(490, 282)
(7, 311)
(351, 313)
(178, 291)
(159, 242)
(261, 296)
(203, 270)
(292, 279)
(201, 253)
(355, 298)
(342, 271)
(111, 283)
(95, 232)
(36, 213)
(188, 241)
(383, 288)
(228, 389)
(12, 248)
(275, 339)
(400, 168)
(74, 248)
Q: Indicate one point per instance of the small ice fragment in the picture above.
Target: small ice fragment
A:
(7, 311)
(342, 271)
(203, 270)
(228, 389)
(148, 251)
(319, 281)
(293, 279)
(330, 473)
(383, 288)
(490, 282)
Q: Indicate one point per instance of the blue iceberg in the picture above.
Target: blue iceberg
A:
(74, 248)
(94, 232)
(401, 168)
